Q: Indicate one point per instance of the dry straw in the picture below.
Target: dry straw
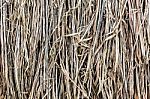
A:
(75, 49)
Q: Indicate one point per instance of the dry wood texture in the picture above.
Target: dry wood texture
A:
(75, 49)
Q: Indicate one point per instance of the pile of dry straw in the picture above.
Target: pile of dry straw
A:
(75, 49)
